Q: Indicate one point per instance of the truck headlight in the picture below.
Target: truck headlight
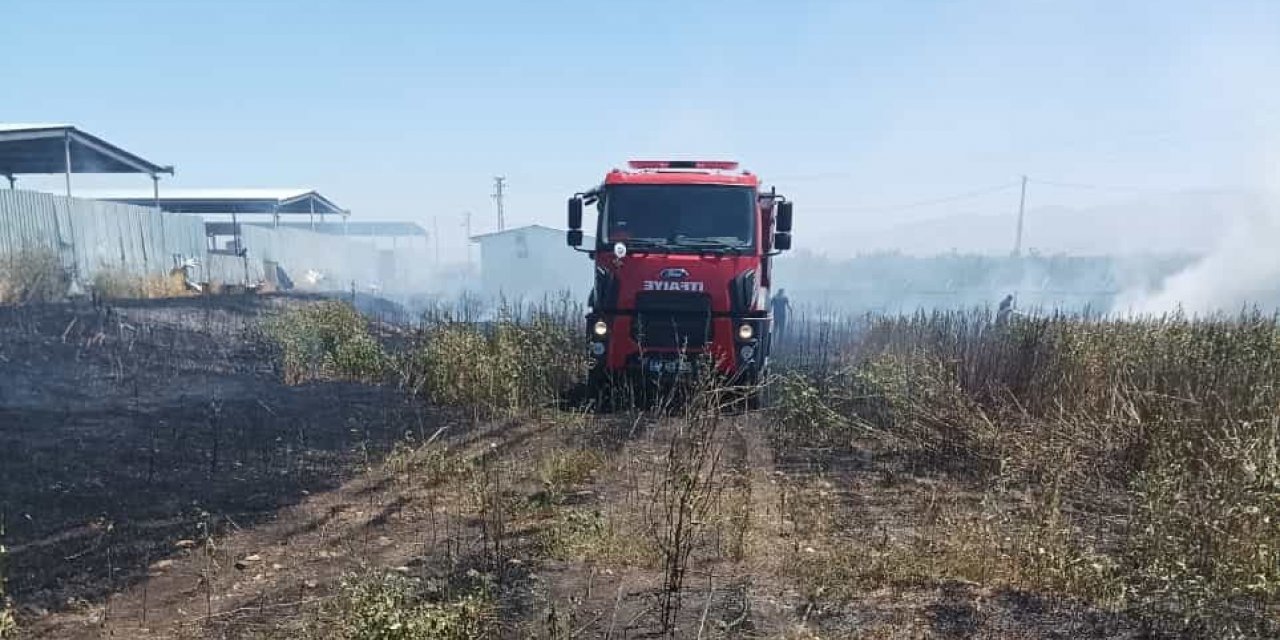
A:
(601, 328)
(746, 332)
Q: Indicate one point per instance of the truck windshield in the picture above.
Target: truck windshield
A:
(680, 217)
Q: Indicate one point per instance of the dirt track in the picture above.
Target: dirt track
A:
(157, 480)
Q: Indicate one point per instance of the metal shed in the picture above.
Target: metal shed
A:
(45, 149)
(531, 261)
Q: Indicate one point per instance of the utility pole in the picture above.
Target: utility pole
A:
(499, 189)
(1022, 210)
(435, 234)
(466, 224)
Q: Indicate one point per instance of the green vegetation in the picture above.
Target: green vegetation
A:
(327, 340)
(513, 367)
(395, 607)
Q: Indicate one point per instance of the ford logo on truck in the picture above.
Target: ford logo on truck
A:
(673, 274)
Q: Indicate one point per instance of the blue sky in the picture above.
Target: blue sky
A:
(405, 110)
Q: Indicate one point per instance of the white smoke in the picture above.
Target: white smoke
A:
(1242, 271)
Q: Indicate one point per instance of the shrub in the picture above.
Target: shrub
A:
(389, 607)
(565, 469)
(511, 367)
(328, 340)
(804, 413)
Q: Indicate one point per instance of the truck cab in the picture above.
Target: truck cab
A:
(683, 270)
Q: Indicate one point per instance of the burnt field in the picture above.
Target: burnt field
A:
(126, 429)
(277, 467)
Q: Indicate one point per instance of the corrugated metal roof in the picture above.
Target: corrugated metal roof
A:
(199, 194)
(371, 229)
(231, 200)
(35, 148)
(33, 126)
(528, 227)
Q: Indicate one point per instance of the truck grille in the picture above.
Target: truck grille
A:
(667, 320)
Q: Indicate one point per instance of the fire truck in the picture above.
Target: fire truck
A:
(683, 266)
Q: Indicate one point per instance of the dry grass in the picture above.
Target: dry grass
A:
(1130, 466)
(1131, 463)
(120, 284)
(31, 276)
(8, 625)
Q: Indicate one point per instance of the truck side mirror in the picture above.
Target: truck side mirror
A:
(575, 237)
(575, 215)
(782, 241)
(782, 221)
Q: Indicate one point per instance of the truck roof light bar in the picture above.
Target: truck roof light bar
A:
(723, 165)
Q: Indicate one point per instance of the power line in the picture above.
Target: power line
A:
(968, 195)
(1081, 185)
(466, 224)
(435, 235)
(1022, 210)
(811, 177)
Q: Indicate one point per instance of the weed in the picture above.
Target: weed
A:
(326, 341)
(427, 464)
(513, 367)
(599, 537)
(564, 469)
(804, 415)
(390, 607)
(686, 488)
(573, 532)
(8, 625)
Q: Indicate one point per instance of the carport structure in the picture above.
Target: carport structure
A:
(236, 202)
(51, 149)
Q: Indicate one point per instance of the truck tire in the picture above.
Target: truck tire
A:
(760, 396)
(598, 389)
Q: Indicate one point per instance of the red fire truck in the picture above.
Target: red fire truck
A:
(683, 267)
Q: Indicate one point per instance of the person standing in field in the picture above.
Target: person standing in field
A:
(1004, 311)
(781, 307)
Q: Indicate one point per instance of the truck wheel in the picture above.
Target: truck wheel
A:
(760, 395)
(598, 390)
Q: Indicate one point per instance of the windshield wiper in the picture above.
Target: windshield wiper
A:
(646, 243)
(715, 245)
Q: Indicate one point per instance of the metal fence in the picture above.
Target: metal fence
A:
(90, 236)
(312, 260)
